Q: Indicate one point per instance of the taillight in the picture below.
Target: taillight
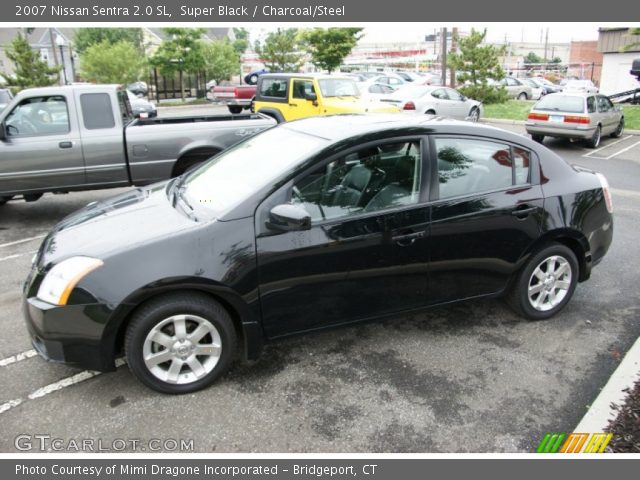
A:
(538, 116)
(606, 191)
(574, 119)
(409, 106)
(236, 93)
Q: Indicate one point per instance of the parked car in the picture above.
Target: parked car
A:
(516, 88)
(586, 86)
(536, 90)
(140, 107)
(434, 100)
(84, 137)
(313, 224)
(411, 77)
(252, 77)
(235, 97)
(5, 98)
(138, 88)
(547, 86)
(579, 116)
(290, 96)
(392, 79)
(375, 91)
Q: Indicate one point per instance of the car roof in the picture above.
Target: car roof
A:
(341, 127)
(572, 93)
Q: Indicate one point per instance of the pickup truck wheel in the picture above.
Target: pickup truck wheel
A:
(537, 138)
(235, 109)
(180, 343)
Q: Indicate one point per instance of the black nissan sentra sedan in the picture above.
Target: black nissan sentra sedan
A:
(312, 224)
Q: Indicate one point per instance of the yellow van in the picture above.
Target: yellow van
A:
(289, 96)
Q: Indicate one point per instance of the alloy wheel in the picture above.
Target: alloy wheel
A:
(549, 283)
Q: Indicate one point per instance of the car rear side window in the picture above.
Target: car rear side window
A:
(96, 111)
(301, 88)
(274, 87)
(468, 166)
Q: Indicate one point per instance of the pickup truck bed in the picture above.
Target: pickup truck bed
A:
(83, 137)
(236, 97)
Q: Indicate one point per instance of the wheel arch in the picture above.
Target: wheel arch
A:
(572, 239)
(248, 328)
(273, 113)
(193, 154)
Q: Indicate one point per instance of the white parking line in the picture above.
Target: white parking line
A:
(24, 240)
(16, 358)
(16, 255)
(623, 150)
(10, 404)
(606, 146)
(54, 387)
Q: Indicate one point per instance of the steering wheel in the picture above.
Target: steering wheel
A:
(30, 127)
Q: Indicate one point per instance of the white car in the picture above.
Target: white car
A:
(375, 91)
(585, 86)
(392, 79)
(436, 100)
(536, 91)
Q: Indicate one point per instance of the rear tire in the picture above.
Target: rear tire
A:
(234, 109)
(546, 283)
(537, 138)
(618, 131)
(180, 343)
(594, 141)
(523, 96)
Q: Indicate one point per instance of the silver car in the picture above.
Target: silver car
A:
(516, 88)
(579, 116)
(436, 100)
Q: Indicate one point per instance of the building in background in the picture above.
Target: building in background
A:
(585, 61)
(618, 48)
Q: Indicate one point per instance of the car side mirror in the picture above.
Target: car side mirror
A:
(289, 218)
(312, 97)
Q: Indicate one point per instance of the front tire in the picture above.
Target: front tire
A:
(523, 96)
(180, 343)
(618, 131)
(546, 283)
(474, 115)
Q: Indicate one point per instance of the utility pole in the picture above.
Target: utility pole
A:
(444, 55)
(454, 48)
(546, 47)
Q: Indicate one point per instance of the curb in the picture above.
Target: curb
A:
(600, 412)
(503, 121)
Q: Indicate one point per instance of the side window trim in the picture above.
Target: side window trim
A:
(434, 184)
(425, 174)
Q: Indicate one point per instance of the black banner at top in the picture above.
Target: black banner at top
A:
(321, 11)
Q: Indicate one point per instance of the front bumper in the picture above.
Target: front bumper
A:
(562, 131)
(70, 334)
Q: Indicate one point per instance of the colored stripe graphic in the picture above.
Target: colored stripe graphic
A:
(574, 443)
(551, 443)
(598, 443)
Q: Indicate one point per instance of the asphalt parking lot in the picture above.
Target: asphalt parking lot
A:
(468, 378)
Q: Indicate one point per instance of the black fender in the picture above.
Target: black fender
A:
(273, 112)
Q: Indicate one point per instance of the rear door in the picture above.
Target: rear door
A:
(608, 114)
(42, 149)
(456, 104)
(486, 212)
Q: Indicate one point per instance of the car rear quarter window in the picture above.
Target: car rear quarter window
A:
(96, 111)
(274, 88)
(468, 166)
(591, 104)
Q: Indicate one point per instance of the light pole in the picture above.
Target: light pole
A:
(60, 44)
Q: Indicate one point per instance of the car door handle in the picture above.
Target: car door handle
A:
(407, 239)
(65, 144)
(293, 104)
(524, 211)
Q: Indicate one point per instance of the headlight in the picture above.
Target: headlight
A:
(62, 278)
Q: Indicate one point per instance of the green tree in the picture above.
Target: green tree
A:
(221, 60)
(281, 51)
(241, 42)
(120, 62)
(632, 31)
(29, 69)
(556, 60)
(180, 52)
(330, 46)
(532, 58)
(86, 37)
(478, 64)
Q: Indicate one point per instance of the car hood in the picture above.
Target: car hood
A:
(102, 228)
(356, 105)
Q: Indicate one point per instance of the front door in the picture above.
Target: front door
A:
(299, 106)
(487, 213)
(41, 149)
(366, 252)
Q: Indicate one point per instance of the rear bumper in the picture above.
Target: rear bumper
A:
(70, 334)
(233, 101)
(585, 132)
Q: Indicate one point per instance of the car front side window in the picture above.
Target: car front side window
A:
(39, 116)
(371, 179)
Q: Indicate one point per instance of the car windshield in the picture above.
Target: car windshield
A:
(233, 176)
(338, 87)
(561, 103)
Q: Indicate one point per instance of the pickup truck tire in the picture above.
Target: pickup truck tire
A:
(192, 159)
(235, 109)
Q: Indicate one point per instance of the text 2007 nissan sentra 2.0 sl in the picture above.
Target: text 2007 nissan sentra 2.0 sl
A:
(312, 224)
